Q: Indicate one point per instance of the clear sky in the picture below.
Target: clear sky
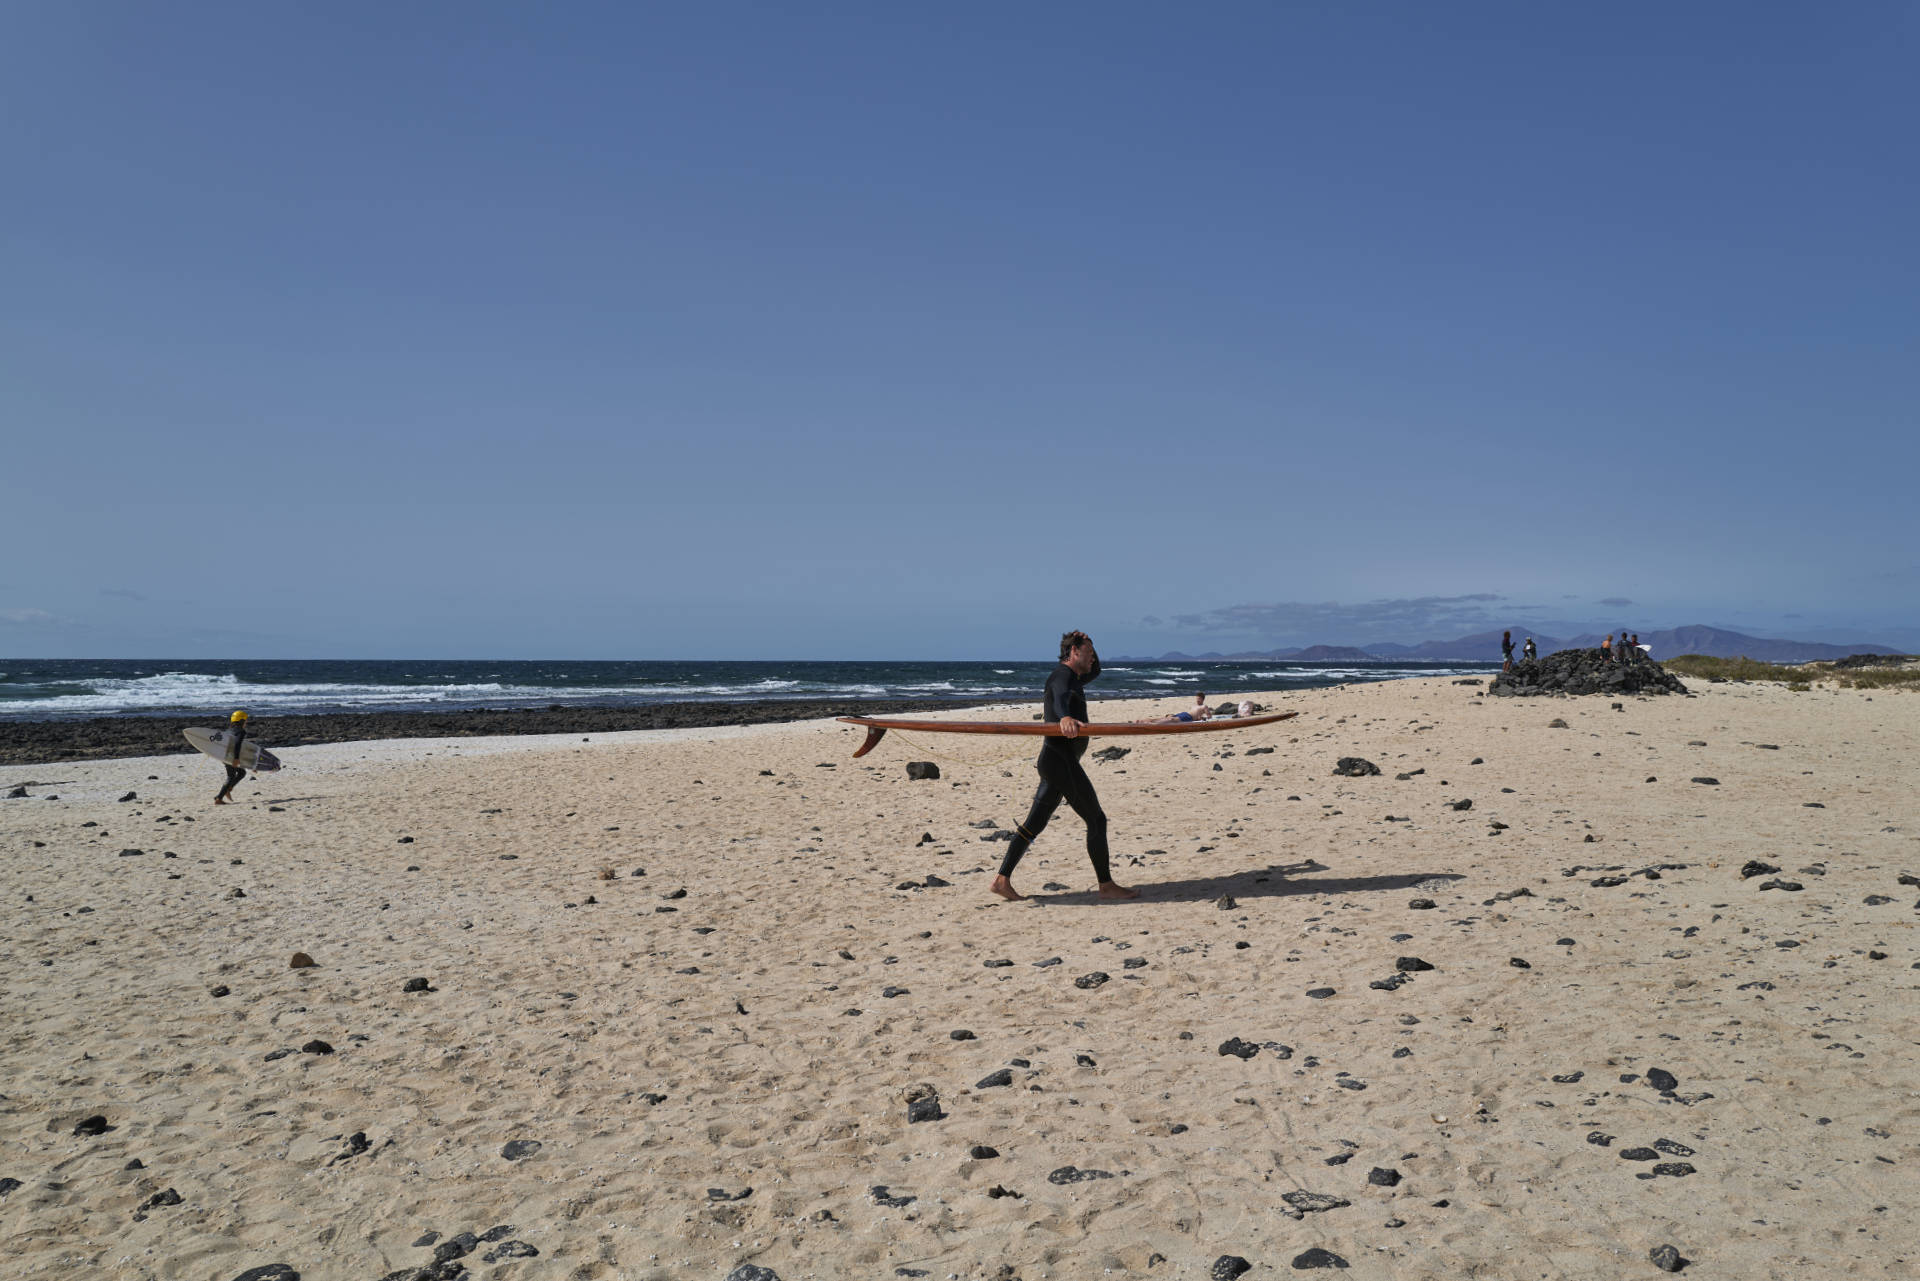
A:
(929, 331)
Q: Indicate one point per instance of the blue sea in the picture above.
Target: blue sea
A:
(65, 689)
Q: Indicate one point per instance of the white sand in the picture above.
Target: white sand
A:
(552, 1019)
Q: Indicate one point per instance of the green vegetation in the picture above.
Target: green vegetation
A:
(1733, 669)
(1798, 679)
(1875, 678)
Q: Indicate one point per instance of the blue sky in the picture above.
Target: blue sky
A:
(911, 331)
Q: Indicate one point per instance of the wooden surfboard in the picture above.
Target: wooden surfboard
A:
(877, 728)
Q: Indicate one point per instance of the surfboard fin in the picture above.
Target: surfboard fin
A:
(874, 734)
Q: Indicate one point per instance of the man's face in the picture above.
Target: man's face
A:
(1080, 657)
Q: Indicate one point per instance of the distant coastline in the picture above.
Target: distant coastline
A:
(1697, 638)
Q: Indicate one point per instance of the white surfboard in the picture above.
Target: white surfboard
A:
(214, 743)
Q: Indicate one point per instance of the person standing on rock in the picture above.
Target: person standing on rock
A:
(236, 735)
(1062, 778)
(1606, 649)
(1506, 651)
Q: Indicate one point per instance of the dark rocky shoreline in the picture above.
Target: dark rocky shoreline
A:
(47, 742)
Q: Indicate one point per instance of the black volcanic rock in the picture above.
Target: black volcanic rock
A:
(1317, 1258)
(34, 742)
(1584, 671)
(1074, 1174)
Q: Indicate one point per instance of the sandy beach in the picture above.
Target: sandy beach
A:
(685, 991)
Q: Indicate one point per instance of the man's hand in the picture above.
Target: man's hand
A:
(1069, 727)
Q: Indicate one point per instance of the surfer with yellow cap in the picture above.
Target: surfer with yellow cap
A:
(236, 735)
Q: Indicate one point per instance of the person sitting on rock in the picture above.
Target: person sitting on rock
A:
(1529, 651)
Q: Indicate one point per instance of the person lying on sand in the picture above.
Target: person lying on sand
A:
(1198, 712)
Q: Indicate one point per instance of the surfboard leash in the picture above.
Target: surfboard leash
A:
(1013, 753)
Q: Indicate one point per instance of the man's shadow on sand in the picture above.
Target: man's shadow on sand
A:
(1280, 880)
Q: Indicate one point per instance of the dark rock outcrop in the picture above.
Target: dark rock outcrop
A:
(1870, 660)
(1584, 671)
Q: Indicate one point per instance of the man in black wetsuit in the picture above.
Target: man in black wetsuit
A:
(1061, 776)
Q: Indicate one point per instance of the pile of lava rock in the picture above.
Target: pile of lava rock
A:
(1585, 671)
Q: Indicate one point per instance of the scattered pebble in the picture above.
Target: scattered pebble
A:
(1318, 1258)
(1074, 1174)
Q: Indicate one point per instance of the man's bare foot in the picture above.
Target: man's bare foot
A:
(1113, 889)
(1004, 888)
(219, 800)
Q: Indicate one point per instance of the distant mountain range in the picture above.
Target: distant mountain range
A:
(1717, 642)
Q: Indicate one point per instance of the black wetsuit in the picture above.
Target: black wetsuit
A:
(1062, 778)
(237, 734)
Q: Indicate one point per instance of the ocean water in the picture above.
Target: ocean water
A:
(62, 689)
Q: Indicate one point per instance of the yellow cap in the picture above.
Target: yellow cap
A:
(240, 715)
